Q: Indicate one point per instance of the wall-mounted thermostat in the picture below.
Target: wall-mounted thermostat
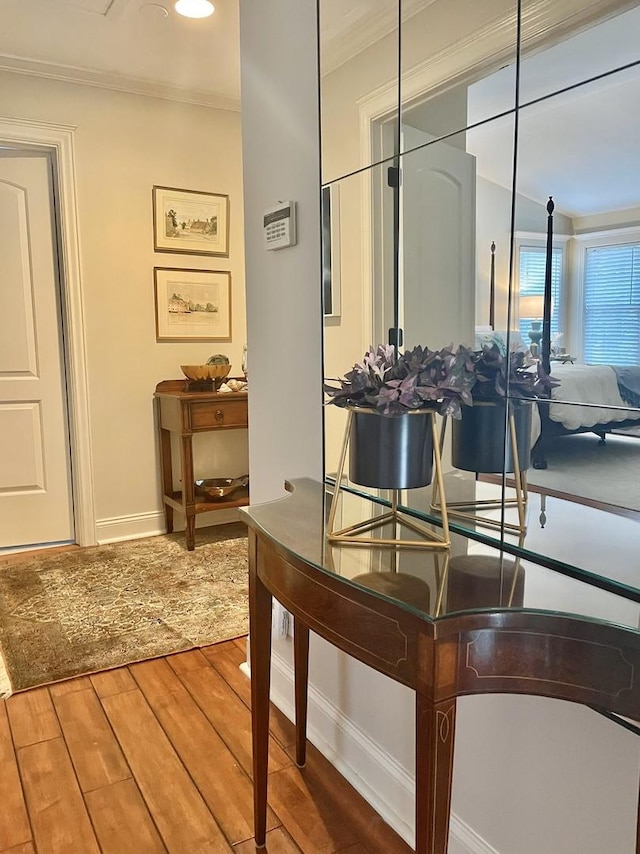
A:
(280, 226)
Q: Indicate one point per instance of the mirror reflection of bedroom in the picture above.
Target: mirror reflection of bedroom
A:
(472, 264)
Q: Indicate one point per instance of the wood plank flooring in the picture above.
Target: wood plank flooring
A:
(156, 757)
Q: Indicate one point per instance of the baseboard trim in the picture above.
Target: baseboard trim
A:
(373, 772)
(132, 527)
(359, 759)
(138, 525)
(464, 840)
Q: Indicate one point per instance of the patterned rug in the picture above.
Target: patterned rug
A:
(91, 609)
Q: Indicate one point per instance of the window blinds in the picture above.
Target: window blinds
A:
(532, 263)
(611, 323)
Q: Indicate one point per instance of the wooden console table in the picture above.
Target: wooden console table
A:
(185, 413)
(398, 624)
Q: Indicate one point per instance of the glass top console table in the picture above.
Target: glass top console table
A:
(474, 620)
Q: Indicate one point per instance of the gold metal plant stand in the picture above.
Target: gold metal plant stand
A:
(353, 534)
(464, 509)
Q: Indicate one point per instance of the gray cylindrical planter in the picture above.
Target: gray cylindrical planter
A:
(478, 437)
(391, 452)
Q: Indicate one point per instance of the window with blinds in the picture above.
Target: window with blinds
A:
(531, 271)
(611, 321)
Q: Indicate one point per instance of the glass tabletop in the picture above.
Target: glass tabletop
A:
(475, 573)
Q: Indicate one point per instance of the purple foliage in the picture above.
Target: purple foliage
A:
(420, 378)
(497, 375)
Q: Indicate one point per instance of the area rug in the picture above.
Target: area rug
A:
(91, 609)
(580, 466)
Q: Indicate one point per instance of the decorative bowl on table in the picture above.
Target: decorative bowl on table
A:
(219, 488)
(205, 373)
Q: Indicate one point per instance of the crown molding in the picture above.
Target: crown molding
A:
(545, 22)
(117, 83)
(362, 35)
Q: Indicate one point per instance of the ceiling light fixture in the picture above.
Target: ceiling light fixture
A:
(194, 8)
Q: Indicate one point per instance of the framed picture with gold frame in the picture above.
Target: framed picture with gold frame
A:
(190, 221)
(192, 305)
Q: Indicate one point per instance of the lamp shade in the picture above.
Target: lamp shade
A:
(531, 306)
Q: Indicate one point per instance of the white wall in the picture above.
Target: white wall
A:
(124, 144)
(537, 776)
(604, 222)
(493, 223)
(280, 148)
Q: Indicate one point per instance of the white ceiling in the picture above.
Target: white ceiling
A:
(146, 47)
(126, 44)
(583, 147)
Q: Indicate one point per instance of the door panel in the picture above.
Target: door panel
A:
(438, 246)
(21, 460)
(35, 484)
(17, 334)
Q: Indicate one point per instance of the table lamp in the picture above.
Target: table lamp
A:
(533, 307)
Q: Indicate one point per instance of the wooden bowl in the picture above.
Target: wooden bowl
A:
(219, 488)
(200, 373)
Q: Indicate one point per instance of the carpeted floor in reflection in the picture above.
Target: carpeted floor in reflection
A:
(91, 609)
(579, 465)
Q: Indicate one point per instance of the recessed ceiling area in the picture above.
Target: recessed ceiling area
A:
(582, 148)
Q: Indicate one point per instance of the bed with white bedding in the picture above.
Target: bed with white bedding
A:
(590, 399)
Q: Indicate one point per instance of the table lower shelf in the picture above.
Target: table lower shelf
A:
(239, 499)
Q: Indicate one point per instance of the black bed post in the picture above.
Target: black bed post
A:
(546, 317)
(394, 177)
(492, 288)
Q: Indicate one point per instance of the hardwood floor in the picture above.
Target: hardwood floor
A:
(156, 757)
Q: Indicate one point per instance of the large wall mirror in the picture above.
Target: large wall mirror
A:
(489, 109)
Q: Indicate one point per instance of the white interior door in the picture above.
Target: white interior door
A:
(438, 247)
(36, 504)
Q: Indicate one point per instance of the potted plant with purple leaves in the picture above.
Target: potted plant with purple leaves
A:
(391, 397)
(505, 385)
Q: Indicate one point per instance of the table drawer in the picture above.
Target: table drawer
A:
(206, 415)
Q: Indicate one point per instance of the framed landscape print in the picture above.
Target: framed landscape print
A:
(190, 221)
(192, 305)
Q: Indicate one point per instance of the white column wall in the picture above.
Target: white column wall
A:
(280, 146)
